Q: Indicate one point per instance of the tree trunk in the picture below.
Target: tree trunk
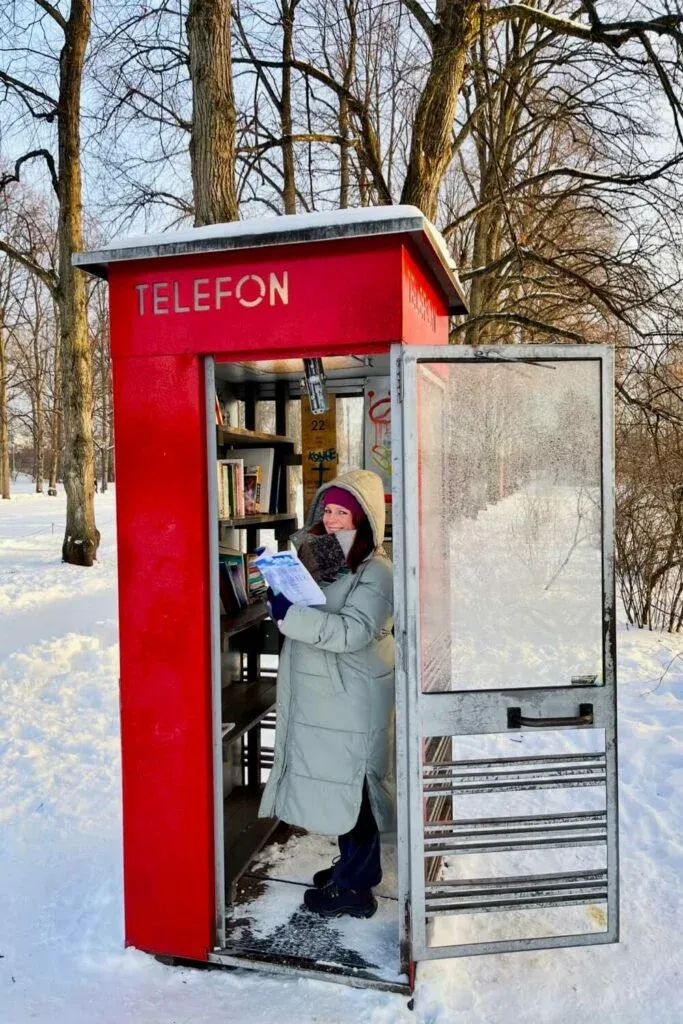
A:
(431, 143)
(104, 386)
(344, 157)
(38, 420)
(55, 420)
(4, 424)
(212, 142)
(81, 537)
(289, 179)
(344, 113)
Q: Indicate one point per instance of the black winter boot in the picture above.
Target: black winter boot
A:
(322, 877)
(331, 901)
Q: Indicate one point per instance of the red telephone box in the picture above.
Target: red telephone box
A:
(347, 285)
(234, 309)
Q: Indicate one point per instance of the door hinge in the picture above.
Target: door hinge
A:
(399, 382)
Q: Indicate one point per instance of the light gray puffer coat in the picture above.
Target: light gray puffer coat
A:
(335, 693)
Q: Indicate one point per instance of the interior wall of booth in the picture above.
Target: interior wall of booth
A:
(350, 417)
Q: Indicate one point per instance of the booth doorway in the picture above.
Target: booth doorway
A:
(264, 865)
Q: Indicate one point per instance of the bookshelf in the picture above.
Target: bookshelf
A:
(249, 693)
(248, 835)
(264, 520)
(243, 619)
(244, 705)
(240, 436)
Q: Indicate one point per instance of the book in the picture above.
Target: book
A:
(265, 459)
(235, 561)
(231, 489)
(275, 488)
(226, 590)
(256, 585)
(237, 471)
(239, 584)
(252, 490)
(218, 412)
(228, 490)
(222, 492)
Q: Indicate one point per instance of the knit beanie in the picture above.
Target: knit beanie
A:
(340, 496)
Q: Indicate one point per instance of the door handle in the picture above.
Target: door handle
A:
(516, 720)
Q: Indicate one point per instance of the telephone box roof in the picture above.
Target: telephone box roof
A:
(289, 230)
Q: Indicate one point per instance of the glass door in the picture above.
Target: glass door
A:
(503, 473)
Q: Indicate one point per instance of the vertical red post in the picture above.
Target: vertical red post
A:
(162, 522)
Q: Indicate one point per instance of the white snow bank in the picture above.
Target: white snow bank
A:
(62, 960)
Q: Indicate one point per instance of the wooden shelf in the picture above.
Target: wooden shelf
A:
(244, 705)
(262, 519)
(244, 618)
(245, 832)
(241, 436)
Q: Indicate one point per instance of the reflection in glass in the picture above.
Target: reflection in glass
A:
(510, 524)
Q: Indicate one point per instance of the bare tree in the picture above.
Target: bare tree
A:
(459, 23)
(67, 38)
(25, 341)
(544, 149)
(4, 431)
(102, 381)
(55, 411)
(649, 528)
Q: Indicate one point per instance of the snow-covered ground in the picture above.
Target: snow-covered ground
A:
(61, 955)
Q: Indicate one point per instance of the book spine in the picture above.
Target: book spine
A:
(227, 589)
(221, 491)
(239, 474)
(229, 489)
(238, 585)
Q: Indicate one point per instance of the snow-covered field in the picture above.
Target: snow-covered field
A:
(61, 955)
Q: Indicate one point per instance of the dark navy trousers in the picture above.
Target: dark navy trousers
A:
(359, 865)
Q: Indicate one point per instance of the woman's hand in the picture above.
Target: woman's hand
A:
(278, 605)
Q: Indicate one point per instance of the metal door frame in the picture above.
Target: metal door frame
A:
(215, 640)
(418, 718)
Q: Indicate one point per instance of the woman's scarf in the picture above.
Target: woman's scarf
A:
(323, 555)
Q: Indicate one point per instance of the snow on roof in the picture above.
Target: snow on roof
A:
(287, 223)
(286, 229)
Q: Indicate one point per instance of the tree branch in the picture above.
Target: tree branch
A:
(371, 148)
(469, 275)
(54, 14)
(674, 102)
(574, 173)
(521, 321)
(614, 34)
(593, 289)
(330, 140)
(24, 87)
(47, 157)
(48, 277)
(653, 410)
(421, 17)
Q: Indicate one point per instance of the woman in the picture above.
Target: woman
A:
(332, 768)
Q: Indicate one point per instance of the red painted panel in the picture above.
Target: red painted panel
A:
(425, 314)
(343, 295)
(162, 519)
(353, 296)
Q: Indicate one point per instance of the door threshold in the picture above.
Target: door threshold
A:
(298, 967)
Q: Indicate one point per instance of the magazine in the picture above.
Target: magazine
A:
(285, 574)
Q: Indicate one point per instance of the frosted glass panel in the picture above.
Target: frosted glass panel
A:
(510, 524)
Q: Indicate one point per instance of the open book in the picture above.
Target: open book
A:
(285, 574)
